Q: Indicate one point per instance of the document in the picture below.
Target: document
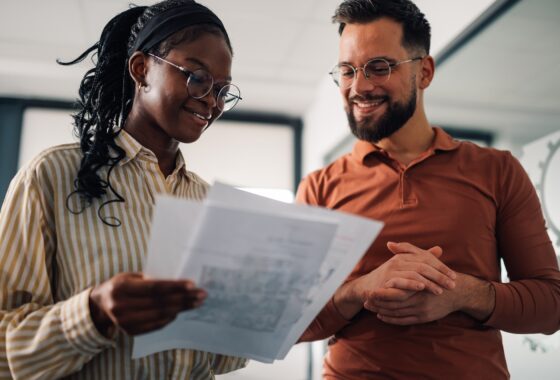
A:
(268, 268)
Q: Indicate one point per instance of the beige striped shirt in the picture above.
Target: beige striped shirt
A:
(51, 258)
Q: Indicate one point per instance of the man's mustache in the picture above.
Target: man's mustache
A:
(368, 98)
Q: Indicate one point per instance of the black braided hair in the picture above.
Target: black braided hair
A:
(186, 35)
(105, 98)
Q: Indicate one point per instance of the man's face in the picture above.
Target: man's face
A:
(377, 111)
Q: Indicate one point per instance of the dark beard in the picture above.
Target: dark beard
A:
(392, 120)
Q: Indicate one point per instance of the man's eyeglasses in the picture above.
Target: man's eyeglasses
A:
(377, 71)
(200, 83)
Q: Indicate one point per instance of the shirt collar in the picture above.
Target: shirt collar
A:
(442, 141)
(130, 146)
(134, 150)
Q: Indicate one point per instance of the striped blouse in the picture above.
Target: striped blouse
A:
(51, 258)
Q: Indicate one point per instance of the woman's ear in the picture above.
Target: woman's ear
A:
(427, 72)
(137, 68)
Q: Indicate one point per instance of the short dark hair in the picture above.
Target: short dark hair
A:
(416, 29)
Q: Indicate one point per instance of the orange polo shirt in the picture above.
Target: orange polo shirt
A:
(479, 205)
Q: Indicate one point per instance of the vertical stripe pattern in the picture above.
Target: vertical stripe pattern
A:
(51, 258)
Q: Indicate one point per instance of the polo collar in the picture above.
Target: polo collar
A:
(442, 142)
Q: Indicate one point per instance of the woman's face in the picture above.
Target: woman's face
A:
(165, 104)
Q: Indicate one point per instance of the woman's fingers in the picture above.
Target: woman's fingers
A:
(141, 287)
(135, 304)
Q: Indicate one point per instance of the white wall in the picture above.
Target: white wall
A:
(242, 154)
(542, 163)
(325, 125)
(249, 155)
(43, 128)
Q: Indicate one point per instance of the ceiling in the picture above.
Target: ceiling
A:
(506, 79)
(283, 49)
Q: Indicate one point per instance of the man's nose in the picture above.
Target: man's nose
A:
(361, 83)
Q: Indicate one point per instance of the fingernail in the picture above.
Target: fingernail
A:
(453, 275)
(439, 291)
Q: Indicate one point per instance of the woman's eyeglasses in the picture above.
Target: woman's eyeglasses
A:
(200, 83)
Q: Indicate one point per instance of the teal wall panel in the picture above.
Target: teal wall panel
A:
(11, 114)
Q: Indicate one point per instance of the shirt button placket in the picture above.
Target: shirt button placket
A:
(408, 198)
(401, 187)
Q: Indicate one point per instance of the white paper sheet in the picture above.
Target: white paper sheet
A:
(173, 223)
(353, 237)
(269, 267)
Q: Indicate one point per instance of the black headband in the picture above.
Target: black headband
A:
(172, 20)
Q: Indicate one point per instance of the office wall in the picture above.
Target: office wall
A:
(325, 126)
(252, 155)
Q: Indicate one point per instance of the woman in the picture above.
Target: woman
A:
(75, 222)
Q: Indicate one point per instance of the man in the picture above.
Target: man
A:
(401, 314)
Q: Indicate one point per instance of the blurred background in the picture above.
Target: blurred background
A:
(497, 81)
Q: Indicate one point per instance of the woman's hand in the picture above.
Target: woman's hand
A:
(138, 305)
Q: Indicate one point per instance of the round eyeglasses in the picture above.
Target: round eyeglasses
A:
(200, 83)
(377, 71)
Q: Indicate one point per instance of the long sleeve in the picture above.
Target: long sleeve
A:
(224, 364)
(329, 320)
(39, 338)
(53, 252)
(530, 302)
